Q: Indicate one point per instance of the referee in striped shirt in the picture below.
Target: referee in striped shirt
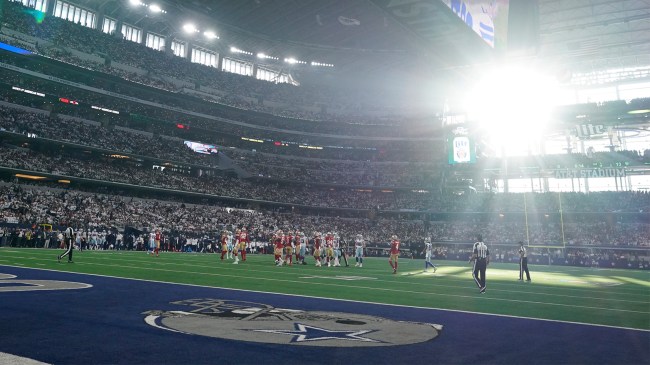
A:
(69, 238)
(523, 262)
(481, 259)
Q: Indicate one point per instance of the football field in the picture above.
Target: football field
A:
(608, 297)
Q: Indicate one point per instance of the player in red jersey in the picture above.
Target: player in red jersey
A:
(288, 248)
(329, 248)
(157, 239)
(394, 253)
(224, 243)
(317, 246)
(278, 245)
(244, 240)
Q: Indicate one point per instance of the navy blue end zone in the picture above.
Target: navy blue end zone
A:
(105, 324)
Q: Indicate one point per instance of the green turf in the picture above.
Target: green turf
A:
(601, 296)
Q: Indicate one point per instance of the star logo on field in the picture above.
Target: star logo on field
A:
(304, 333)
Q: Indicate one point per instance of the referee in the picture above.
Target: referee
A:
(481, 259)
(68, 237)
(523, 262)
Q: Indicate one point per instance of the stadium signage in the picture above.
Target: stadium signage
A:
(27, 91)
(586, 173)
(105, 109)
(585, 131)
(263, 323)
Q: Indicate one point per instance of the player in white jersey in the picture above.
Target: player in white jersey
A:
(302, 247)
(152, 242)
(359, 245)
(229, 245)
(428, 251)
(336, 245)
(234, 246)
(94, 239)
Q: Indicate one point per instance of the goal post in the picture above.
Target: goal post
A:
(545, 229)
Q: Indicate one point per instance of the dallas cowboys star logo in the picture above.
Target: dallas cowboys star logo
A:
(304, 333)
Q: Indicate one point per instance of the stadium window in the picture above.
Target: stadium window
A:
(74, 14)
(155, 41)
(634, 90)
(40, 5)
(271, 76)
(131, 33)
(178, 48)
(205, 57)
(597, 95)
(109, 25)
(237, 67)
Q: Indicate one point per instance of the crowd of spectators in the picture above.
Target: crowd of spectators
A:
(163, 119)
(129, 141)
(117, 170)
(310, 170)
(120, 140)
(344, 172)
(27, 210)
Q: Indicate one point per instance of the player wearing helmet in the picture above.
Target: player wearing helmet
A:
(224, 243)
(278, 245)
(234, 246)
(394, 253)
(336, 248)
(301, 240)
(244, 240)
(359, 245)
(317, 246)
(287, 241)
(428, 251)
(329, 248)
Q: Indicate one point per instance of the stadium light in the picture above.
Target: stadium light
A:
(237, 50)
(320, 64)
(190, 28)
(135, 2)
(267, 57)
(155, 8)
(294, 61)
(210, 34)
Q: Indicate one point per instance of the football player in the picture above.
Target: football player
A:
(359, 244)
(234, 246)
(428, 250)
(302, 251)
(288, 248)
(224, 243)
(244, 240)
(394, 253)
(336, 248)
(278, 245)
(317, 247)
(329, 248)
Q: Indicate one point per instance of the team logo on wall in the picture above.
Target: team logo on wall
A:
(256, 322)
(9, 283)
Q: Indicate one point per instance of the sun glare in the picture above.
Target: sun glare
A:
(512, 104)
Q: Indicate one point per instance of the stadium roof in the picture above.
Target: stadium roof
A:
(354, 35)
(403, 37)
